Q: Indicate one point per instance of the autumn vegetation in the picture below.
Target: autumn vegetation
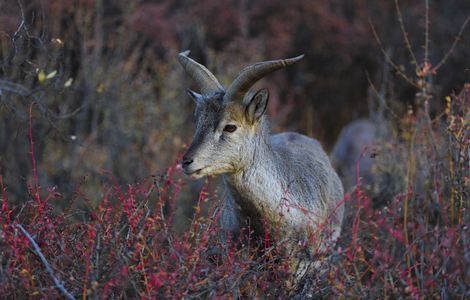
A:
(94, 120)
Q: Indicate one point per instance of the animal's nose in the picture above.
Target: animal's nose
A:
(186, 161)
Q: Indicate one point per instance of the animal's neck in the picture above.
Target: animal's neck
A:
(259, 184)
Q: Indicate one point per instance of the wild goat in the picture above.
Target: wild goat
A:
(352, 153)
(284, 181)
(361, 156)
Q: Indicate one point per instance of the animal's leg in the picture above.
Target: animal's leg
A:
(229, 222)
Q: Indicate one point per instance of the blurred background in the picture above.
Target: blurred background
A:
(109, 95)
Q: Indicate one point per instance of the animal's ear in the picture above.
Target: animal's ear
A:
(257, 105)
(195, 96)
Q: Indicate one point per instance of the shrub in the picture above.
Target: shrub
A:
(123, 246)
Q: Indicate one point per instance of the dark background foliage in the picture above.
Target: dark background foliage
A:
(125, 109)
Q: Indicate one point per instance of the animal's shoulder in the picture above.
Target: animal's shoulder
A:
(307, 168)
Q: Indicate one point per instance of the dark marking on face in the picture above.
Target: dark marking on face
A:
(209, 111)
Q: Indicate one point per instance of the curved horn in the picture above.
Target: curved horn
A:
(250, 75)
(204, 79)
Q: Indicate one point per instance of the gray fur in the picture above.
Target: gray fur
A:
(352, 150)
(285, 180)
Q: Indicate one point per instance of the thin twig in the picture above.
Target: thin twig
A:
(426, 32)
(380, 96)
(22, 24)
(451, 49)
(414, 61)
(21, 90)
(38, 252)
(50, 116)
(388, 58)
(429, 128)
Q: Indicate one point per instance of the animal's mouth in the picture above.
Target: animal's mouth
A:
(195, 173)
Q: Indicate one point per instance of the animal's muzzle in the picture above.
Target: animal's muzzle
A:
(186, 162)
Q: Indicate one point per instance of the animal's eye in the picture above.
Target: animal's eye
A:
(230, 128)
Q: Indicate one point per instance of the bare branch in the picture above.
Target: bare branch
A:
(426, 32)
(451, 49)
(19, 89)
(14, 88)
(388, 58)
(22, 24)
(405, 34)
(380, 96)
(38, 252)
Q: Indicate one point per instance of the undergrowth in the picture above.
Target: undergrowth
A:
(416, 245)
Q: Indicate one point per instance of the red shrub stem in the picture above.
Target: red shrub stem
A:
(33, 159)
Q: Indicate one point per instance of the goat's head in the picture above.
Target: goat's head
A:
(228, 123)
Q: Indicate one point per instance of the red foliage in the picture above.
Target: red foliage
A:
(125, 247)
(153, 22)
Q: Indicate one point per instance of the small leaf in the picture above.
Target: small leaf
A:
(41, 76)
(68, 82)
(51, 74)
(58, 41)
(100, 88)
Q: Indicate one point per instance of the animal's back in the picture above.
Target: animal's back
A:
(310, 173)
(298, 144)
